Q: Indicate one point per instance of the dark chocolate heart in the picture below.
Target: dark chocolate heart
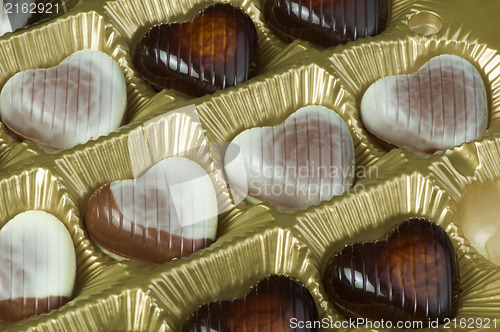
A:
(411, 274)
(273, 305)
(327, 22)
(216, 50)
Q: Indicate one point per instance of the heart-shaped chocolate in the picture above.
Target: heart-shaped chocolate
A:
(275, 304)
(441, 106)
(307, 159)
(38, 265)
(82, 98)
(411, 274)
(326, 22)
(16, 14)
(169, 212)
(216, 50)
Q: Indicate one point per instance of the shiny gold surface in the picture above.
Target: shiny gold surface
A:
(253, 240)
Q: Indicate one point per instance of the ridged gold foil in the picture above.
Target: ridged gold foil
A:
(231, 268)
(253, 240)
(406, 55)
(464, 173)
(355, 218)
(127, 310)
(40, 189)
(47, 45)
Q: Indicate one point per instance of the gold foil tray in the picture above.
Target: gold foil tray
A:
(253, 241)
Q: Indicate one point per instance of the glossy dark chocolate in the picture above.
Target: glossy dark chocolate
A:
(216, 50)
(327, 22)
(268, 306)
(411, 274)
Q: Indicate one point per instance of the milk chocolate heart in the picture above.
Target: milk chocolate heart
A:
(82, 98)
(216, 50)
(169, 212)
(307, 159)
(411, 274)
(16, 14)
(38, 265)
(327, 22)
(272, 306)
(441, 106)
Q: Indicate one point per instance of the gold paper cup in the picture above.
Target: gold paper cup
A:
(370, 215)
(361, 65)
(126, 310)
(231, 269)
(130, 153)
(39, 189)
(46, 46)
(471, 176)
(134, 18)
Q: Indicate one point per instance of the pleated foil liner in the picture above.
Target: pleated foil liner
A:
(47, 45)
(373, 212)
(398, 13)
(227, 270)
(271, 98)
(129, 154)
(362, 64)
(127, 310)
(471, 175)
(40, 189)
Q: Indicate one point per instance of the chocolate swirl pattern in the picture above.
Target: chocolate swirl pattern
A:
(327, 22)
(411, 274)
(38, 265)
(82, 98)
(307, 159)
(216, 50)
(441, 106)
(169, 212)
(268, 306)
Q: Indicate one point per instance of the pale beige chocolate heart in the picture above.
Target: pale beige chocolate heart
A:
(442, 105)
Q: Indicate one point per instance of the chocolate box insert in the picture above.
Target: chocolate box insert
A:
(255, 240)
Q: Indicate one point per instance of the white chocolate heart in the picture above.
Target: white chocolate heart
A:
(168, 212)
(442, 105)
(82, 98)
(38, 262)
(307, 159)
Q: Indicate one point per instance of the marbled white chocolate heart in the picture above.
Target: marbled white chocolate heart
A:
(82, 98)
(169, 212)
(216, 50)
(307, 159)
(327, 22)
(38, 265)
(441, 106)
(411, 274)
(272, 306)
